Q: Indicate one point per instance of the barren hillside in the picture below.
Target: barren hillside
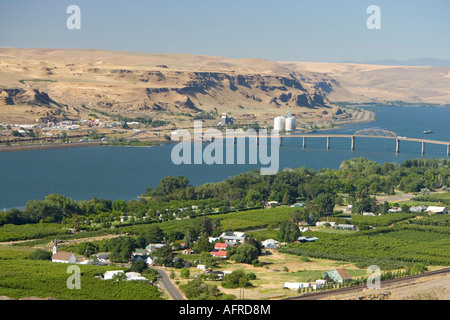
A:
(43, 84)
(375, 83)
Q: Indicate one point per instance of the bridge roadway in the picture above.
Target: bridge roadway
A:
(365, 133)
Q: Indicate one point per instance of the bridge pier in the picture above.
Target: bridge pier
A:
(397, 146)
(328, 143)
(423, 147)
(448, 150)
(281, 141)
(304, 142)
(352, 148)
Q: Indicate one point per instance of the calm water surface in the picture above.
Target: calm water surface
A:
(124, 173)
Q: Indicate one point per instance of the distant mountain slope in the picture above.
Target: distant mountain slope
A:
(156, 85)
(422, 62)
(381, 83)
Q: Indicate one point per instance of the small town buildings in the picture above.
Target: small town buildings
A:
(134, 276)
(338, 275)
(103, 257)
(272, 204)
(298, 205)
(129, 276)
(437, 210)
(369, 214)
(61, 256)
(220, 254)
(154, 246)
(221, 246)
(270, 244)
(233, 237)
(108, 275)
(64, 257)
(395, 209)
(324, 223)
(418, 208)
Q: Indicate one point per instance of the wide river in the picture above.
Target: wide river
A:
(125, 172)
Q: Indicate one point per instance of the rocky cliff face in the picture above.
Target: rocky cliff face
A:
(76, 84)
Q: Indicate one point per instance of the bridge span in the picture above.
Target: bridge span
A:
(368, 133)
(365, 133)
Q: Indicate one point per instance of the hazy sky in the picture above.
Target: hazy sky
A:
(283, 30)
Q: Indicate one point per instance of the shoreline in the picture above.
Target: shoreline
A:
(364, 116)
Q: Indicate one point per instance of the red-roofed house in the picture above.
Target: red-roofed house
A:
(221, 246)
(220, 253)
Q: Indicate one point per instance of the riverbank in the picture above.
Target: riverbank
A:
(49, 146)
(360, 116)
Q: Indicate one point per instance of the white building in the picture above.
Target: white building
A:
(62, 257)
(296, 285)
(279, 123)
(108, 275)
(433, 209)
(270, 243)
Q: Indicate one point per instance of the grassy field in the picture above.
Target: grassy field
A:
(277, 269)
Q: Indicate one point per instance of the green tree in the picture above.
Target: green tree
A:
(289, 232)
(245, 253)
(185, 273)
(203, 245)
(40, 254)
(138, 266)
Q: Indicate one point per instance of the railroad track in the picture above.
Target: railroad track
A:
(323, 294)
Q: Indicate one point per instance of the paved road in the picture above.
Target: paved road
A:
(169, 286)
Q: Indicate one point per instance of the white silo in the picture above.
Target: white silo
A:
(279, 123)
(290, 123)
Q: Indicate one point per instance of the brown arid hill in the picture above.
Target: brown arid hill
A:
(379, 84)
(52, 84)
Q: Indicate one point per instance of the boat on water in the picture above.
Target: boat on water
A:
(427, 132)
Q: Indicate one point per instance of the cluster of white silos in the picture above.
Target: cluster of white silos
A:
(287, 123)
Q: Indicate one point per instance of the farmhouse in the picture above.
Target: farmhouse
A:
(61, 256)
(221, 246)
(64, 257)
(221, 254)
(339, 275)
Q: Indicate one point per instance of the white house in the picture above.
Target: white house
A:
(442, 210)
(64, 257)
(108, 275)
